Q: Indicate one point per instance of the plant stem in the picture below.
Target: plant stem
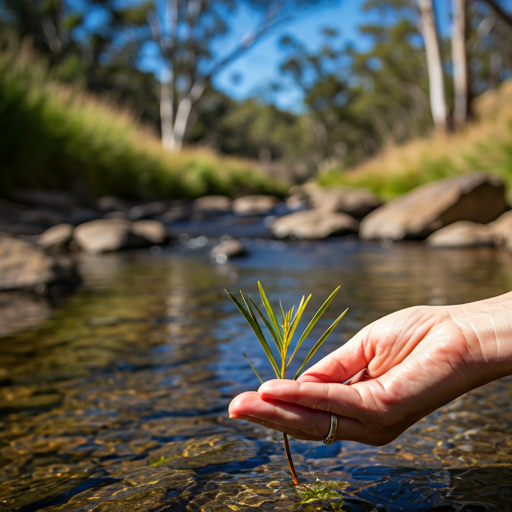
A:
(290, 461)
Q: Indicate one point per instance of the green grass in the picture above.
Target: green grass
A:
(485, 145)
(56, 137)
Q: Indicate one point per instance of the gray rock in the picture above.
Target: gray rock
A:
(254, 205)
(107, 204)
(502, 229)
(25, 265)
(57, 237)
(462, 234)
(178, 210)
(210, 206)
(152, 230)
(475, 197)
(49, 199)
(314, 225)
(105, 235)
(357, 202)
(226, 250)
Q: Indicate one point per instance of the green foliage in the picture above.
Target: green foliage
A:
(55, 136)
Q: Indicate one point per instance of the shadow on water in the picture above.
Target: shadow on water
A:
(118, 401)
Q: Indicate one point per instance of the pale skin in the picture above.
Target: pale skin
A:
(416, 361)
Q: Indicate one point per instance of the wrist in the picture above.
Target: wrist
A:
(487, 327)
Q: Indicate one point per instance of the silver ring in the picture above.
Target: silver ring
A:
(333, 430)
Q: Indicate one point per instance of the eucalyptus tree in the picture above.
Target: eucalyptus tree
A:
(189, 34)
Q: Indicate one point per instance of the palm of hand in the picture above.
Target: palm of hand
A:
(416, 360)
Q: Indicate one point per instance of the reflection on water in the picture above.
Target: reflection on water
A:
(119, 401)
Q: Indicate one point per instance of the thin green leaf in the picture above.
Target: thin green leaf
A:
(296, 320)
(269, 310)
(253, 369)
(315, 319)
(249, 316)
(269, 326)
(318, 344)
(261, 338)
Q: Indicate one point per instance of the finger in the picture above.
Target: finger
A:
(297, 421)
(337, 399)
(340, 365)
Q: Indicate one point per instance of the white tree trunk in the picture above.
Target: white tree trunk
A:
(181, 122)
(460, 63)
(434, 65)
(166, 116)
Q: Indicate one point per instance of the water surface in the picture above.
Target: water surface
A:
(140, 365)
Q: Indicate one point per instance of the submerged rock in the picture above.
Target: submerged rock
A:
(462, 234)
(254, 205)
(226, 250)
(151, 230)
(475, 197)
(25, 265)
(314, 225)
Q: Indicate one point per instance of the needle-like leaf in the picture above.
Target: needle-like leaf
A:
(296, 320)
(318, 344)
(269, 326)
(268, 308)
(315, 319)
(248, 315)
(261, 337)
(254, 369)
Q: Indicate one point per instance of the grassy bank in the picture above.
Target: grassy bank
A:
(485, 145)
(57, 137)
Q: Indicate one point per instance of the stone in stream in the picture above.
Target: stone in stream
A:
(502, 229)
(210, 206)
(57, 237)
(226, 250)
(475, 197)
(108, 204)
(25, 265)
(147, 210)
(106, 235)
(254, 205)
(462, 234)
(151, 230)
(357, 202)
(314, 225)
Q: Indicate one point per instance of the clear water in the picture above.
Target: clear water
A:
(142, 362)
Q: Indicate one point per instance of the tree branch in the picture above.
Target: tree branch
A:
(496, 7)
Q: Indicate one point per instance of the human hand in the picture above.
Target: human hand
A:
(416, 360)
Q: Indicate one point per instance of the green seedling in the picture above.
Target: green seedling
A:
(282, 333)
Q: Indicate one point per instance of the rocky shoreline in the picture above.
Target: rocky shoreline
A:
(42, 231)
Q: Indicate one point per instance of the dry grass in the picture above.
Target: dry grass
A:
(484, 145)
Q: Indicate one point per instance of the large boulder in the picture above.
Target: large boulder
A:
(25, 265)
(314, 225)
(106, 235)
(475, 197)
(502, 229)
(254, 205)
(462, 234)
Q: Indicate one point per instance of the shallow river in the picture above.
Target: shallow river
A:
(139, 366)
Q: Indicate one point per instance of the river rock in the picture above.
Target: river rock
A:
(314, 225)
(177, 210)
(57, 237)
(475, 197)
(147, 210)
(151, 230)
(25, 265)
(226, 250)
(254, 205)
(210, 206)
(462, 234)
(502, 229)
(106, 235)
(108, 204)
(357, 202)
